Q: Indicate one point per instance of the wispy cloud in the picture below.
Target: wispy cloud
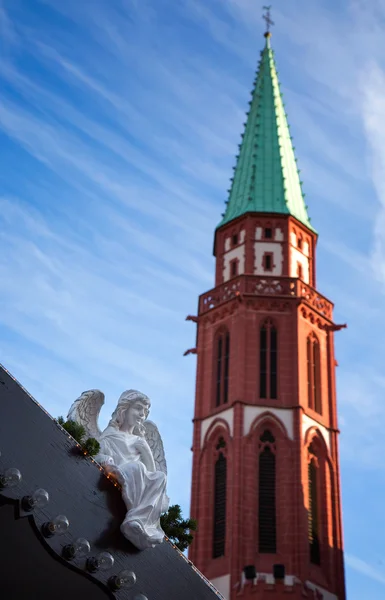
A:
(120, 126)
(366, 569)
(373, 89)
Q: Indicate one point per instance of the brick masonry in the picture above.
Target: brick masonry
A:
(295, 317)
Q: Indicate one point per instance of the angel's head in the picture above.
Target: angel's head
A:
(131, 412)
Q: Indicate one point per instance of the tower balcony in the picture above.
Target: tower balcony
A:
(254, 285)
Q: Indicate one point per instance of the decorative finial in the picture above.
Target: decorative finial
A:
(267, 19)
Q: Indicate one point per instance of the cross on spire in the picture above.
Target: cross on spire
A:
(267, 19)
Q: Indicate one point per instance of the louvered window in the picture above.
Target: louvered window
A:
(227, 366)
(313, 516)
(268, 361)
(267, 495)
(314, 374)
(222, 369)
(219, 533)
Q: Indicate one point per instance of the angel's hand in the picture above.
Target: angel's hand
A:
(104, 460)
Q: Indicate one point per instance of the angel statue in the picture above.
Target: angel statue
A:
(131, 450)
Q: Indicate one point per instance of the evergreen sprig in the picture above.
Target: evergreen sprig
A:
(90, 446)
(177, 529)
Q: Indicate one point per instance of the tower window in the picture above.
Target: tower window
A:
(235, 239)
(299, 271)
(234, 268)
(267, 534)
(226, 373)
(268, 233)
(268, 361)
(268, 261)
(219, 370)
(299, 243)
(219, 533)
(313, 516)
(222, 369)
(314, 373)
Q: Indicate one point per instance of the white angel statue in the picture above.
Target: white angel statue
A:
(131, 449)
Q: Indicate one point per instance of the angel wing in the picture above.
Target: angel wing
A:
(154, 440)
(85, 411)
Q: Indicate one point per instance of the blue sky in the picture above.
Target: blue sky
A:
(120, 122)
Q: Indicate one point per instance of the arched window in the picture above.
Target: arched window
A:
(313, 510)
(267, 534)
(220, 482)
(268, 360)
(222, 368)
(314, 373)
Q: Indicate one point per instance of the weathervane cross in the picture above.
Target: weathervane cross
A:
(267, 18)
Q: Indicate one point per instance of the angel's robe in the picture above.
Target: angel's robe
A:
(143, 490)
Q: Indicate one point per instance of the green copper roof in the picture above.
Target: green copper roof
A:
(266, 177)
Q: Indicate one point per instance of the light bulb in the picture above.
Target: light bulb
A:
(140, 597)
(38, 499)
(125, 579)
(101, 562)
(105, 561)
(82, 546)
(10, 478)
(79, 548)
(57, 526)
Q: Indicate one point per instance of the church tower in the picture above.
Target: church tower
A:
(266, 482)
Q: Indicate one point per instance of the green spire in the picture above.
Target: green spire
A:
(266, 178)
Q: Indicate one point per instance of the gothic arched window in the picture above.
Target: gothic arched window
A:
(313, 510)
(268, 360)
(314, 373)
(220, 484)
(222, 368)
(267, 534)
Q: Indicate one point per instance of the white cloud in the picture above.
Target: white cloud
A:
(366, 569)
(373, 90)
(123, 133)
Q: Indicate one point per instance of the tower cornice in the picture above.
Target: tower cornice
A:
(254, 286)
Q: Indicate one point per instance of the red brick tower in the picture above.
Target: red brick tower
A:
(266, 486)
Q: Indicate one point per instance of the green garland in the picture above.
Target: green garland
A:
(90, 446)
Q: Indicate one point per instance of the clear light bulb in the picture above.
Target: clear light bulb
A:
(101, 562)
(38, 499)
(104, 561)
(82, 547)
(59, 525)
(79, 548)
(125, 579)
(10, 478)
